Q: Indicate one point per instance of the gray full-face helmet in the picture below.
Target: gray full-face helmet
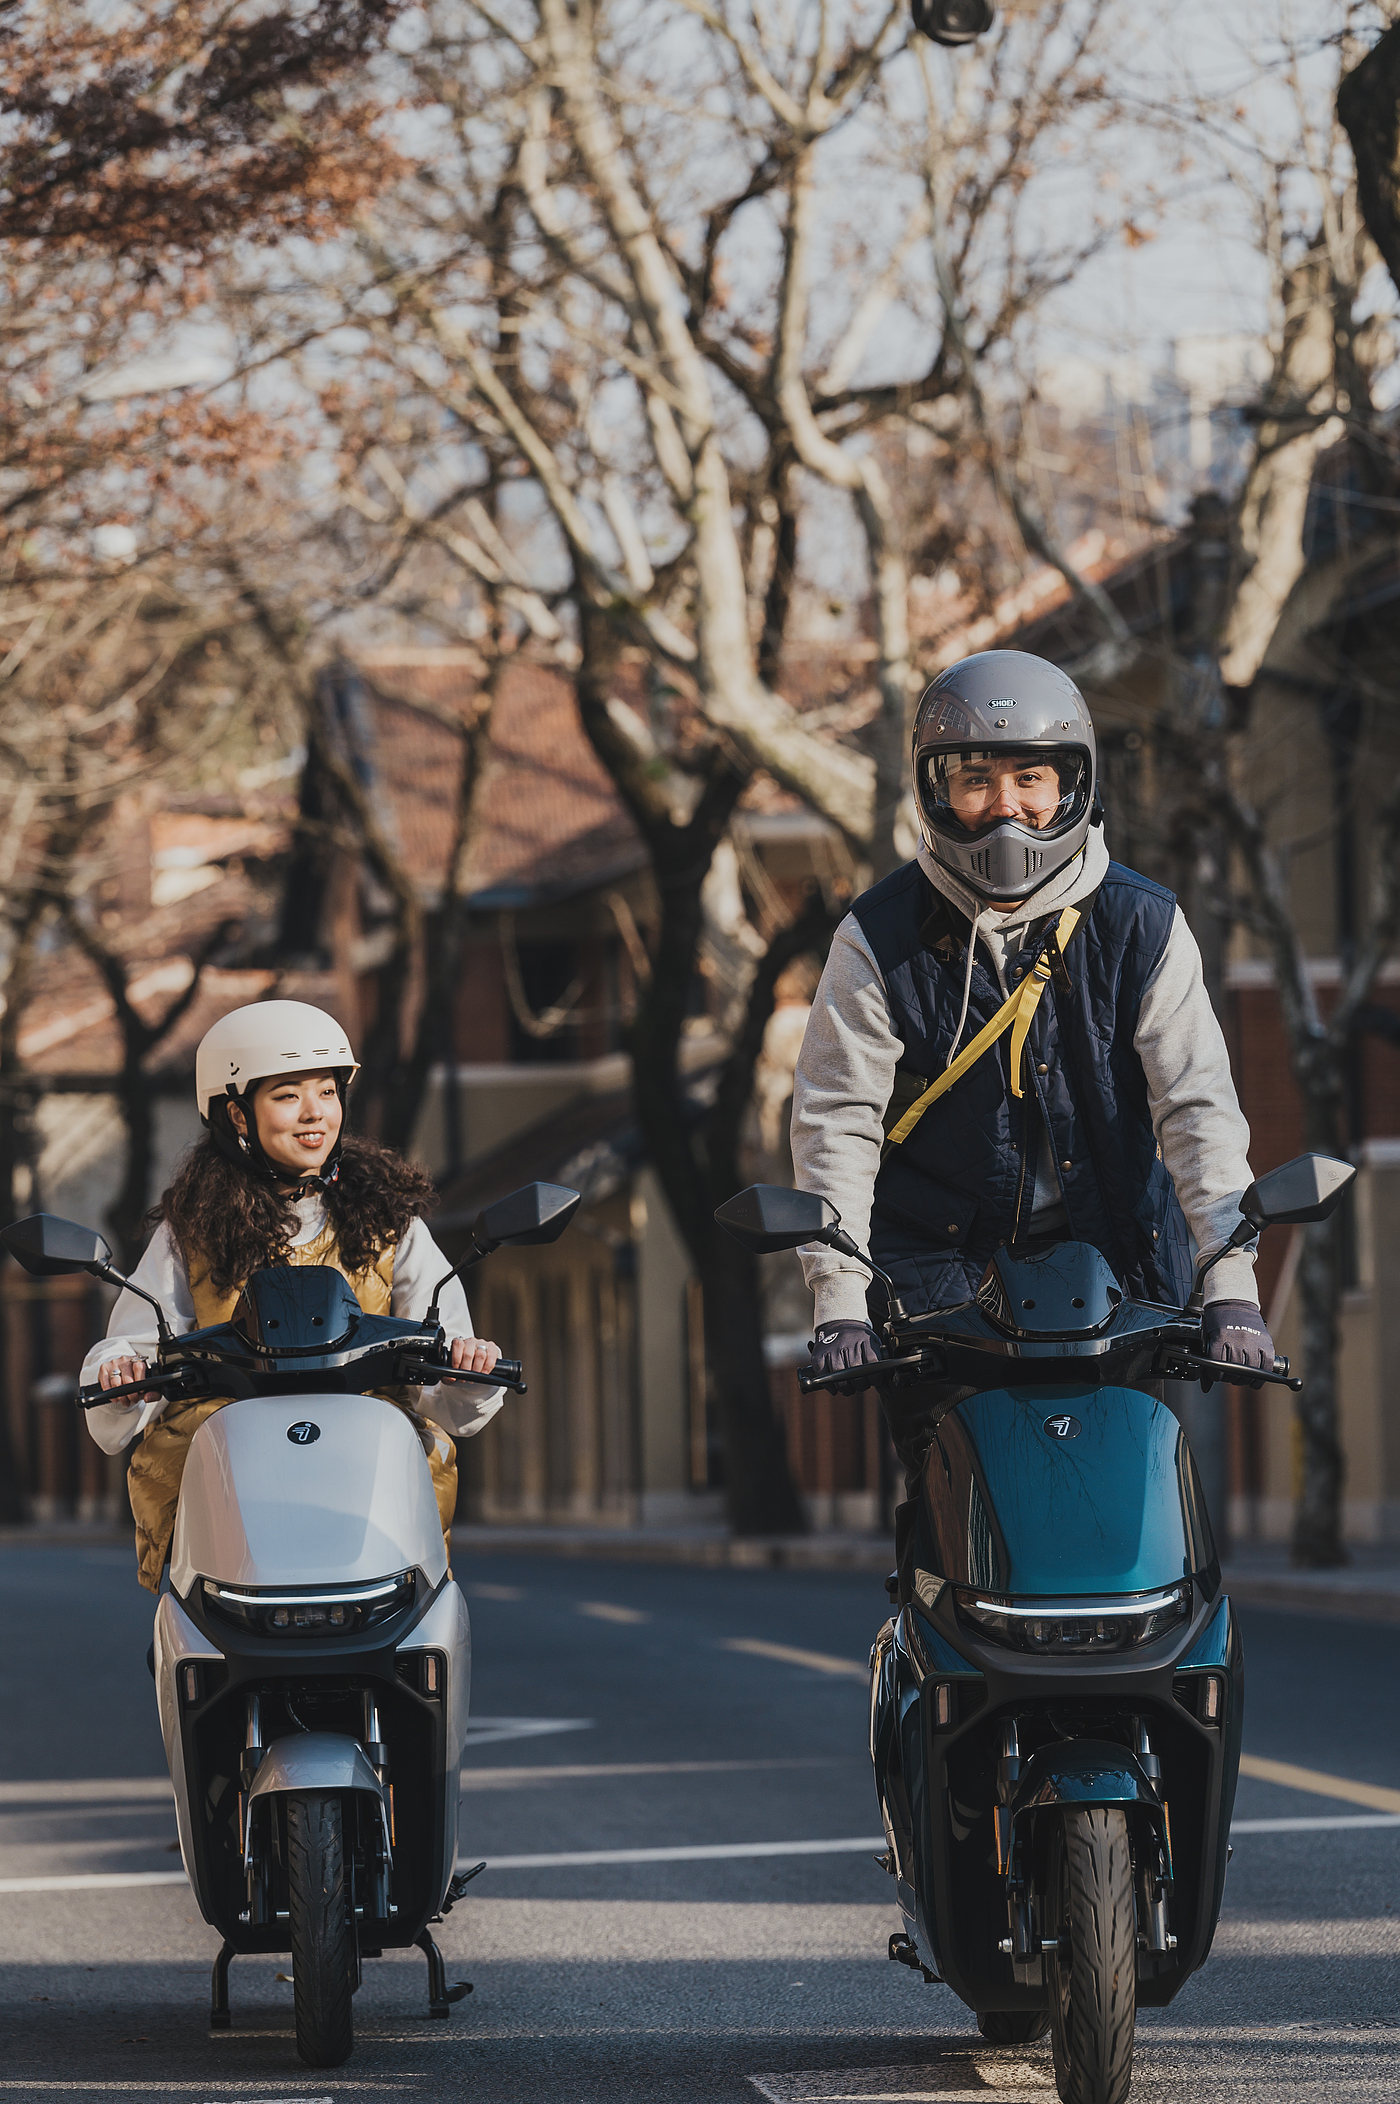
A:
(995, 706)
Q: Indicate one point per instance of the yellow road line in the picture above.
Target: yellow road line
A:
(788, 1655)
(1319, 1785)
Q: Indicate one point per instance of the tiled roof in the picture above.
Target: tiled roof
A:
(550, 820)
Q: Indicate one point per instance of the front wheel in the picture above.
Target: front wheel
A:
(323, 1929)
(1093, 1970)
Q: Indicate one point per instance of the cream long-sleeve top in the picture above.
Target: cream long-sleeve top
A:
(459, 1408)
(845, 1075)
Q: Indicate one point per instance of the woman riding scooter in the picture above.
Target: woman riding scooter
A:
(275, 1180)
(945, 1118)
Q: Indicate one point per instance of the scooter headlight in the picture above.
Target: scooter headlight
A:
(1121, 1622)
(326, 1611)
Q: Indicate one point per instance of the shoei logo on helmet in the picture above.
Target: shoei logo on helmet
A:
(303, 1434)
(1062, 1427)
(1008, 701)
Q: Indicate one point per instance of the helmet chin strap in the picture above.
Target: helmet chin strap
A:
(248, 1151)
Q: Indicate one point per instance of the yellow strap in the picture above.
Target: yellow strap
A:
(1015, 1012)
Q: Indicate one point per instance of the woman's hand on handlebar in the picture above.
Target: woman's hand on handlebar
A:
(474, 1354)
(116, 1373)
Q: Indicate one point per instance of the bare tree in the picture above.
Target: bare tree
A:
(1264, 604)
(563, 286)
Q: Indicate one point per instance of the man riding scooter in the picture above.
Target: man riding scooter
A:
(1012, 1045)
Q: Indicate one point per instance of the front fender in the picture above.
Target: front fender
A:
(1081, 1771)
(317, 1760)
(314, 1760)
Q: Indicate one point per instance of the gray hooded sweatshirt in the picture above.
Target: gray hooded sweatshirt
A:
(845, 1075)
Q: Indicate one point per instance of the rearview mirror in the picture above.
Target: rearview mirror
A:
(53, 1248)
(537, 1213)
(1310, 1188)
(769, 1216)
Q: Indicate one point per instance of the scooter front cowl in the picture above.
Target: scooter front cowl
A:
(1051, 1492)
(285, 1490)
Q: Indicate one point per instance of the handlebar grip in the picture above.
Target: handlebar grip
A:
(94, 1394)
(506, 1373)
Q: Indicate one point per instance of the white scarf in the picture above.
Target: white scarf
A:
(1079, 879)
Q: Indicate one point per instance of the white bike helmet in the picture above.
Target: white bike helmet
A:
(247, 1046)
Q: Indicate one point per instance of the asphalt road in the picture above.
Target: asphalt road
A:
(723, 1979)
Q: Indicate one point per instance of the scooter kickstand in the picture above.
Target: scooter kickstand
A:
(219, 2019)
(440, 1995)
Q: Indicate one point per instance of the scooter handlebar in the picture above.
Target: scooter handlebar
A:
(506, 1373)
(928, 1363)
(1176, 1364)
(94, 1393)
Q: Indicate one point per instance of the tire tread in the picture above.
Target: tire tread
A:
(322, 1951)
(1094, 2052)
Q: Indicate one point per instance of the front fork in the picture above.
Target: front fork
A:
(1023, 1945)
(1154, 1870)
(376, 1835)
(1030, 1914)
(256, 1869)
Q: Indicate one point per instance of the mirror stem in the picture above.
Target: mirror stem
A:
(836, 1238)
(474, 1255)
(1245, 1232)
(115, 1278)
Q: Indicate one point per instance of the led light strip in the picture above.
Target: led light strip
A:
(1085, 1610)
(373, 1592)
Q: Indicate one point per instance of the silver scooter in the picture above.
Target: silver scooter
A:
(312, 1657)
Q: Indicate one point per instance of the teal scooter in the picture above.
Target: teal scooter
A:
(1056, 1704)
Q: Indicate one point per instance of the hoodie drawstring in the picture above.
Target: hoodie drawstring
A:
(967, 987)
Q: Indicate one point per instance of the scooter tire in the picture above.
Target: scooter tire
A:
(1013, 2027)
(1093, 1987)
(323, 1930)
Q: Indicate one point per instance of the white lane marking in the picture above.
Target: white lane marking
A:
(489, 1731)
(1313, 1826)
(960, 2075)
(717, 1852)
(475, 1589)
(604, 1611)
(788, 1655)
(583, 1859)
(95, 1881)
(102, 1789)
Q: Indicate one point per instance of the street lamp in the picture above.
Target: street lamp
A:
(953, 21)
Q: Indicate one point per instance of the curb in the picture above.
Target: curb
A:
(713, 1550)
(72, 1534)
(1360, 1603)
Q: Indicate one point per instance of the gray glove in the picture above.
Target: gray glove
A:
(843, 1348)
(1234, 1331)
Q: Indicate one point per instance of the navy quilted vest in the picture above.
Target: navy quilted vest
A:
(963, 1183)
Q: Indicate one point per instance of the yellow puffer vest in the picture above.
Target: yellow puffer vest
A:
(373, 1287)
(158, 1463)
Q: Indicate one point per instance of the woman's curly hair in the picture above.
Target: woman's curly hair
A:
(241, 1224)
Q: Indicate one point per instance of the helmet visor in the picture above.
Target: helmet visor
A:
(971, 790)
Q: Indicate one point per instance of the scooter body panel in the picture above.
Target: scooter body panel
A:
(313, 1519)
(176, 1640)
(1018, 1510)
(261, 1508)
(1046, 1494)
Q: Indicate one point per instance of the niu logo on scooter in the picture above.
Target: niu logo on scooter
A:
(304, 1433)
(1060, 1427)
